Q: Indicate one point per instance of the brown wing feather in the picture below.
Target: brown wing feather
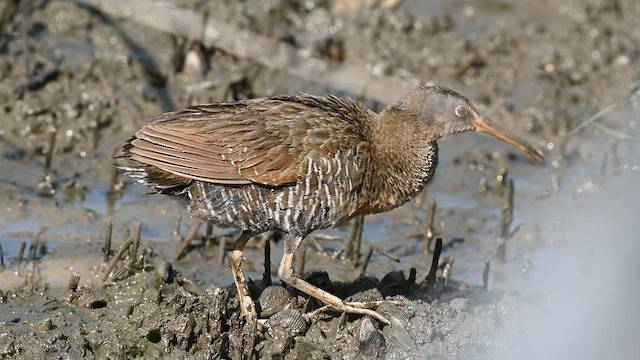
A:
(266, 141)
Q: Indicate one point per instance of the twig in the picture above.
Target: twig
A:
(326, 237)
(115, 186)
(50, 148)
(135, 244)
(507, 211)
(385, 253)
(37, 82)
(366, 261)
(116, 258)
(428, 231)
(23, 245)
(380, 251)
(502, 181)
(266, 276)
(431, 277)
(176, 230)
(485, 275)
(612, 132)
(446, 266)
(74, 280)
(1, 258)
(42, 248)
(208, 234)
(108, 232)
(592, 119)
(316, 245)
(45, 185)
(33, 247)
(222, 249)
(412, 275)
(506, 219)
(187, 240)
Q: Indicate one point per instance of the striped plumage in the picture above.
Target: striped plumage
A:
(280, 163)
(299, 163)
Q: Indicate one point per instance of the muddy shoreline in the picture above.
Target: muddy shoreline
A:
(78, 78)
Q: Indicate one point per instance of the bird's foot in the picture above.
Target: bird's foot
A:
(361, 308)
(374, 304)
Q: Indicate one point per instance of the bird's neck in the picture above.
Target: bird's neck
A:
(402, 160)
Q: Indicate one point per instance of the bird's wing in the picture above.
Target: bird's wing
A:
(265, 141)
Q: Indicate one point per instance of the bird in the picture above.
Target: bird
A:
(298, 163)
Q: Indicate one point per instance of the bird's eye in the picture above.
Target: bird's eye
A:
(461, 111)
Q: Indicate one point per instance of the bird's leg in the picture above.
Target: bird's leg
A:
(247, 309)
(285, 272)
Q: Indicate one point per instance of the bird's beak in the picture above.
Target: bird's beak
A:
(487, 126)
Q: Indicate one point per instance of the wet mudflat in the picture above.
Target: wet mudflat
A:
(77, 79)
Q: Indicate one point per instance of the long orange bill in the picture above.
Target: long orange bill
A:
(487, 126)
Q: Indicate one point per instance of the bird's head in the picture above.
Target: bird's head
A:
(438, 112)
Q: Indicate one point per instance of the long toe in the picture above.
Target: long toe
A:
(363, 311)
(373, 304)
(351, 310)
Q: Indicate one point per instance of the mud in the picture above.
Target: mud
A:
(76, 82)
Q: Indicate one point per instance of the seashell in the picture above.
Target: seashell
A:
(287, 323)
(273, 299)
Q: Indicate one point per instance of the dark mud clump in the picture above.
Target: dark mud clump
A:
(144, 308)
